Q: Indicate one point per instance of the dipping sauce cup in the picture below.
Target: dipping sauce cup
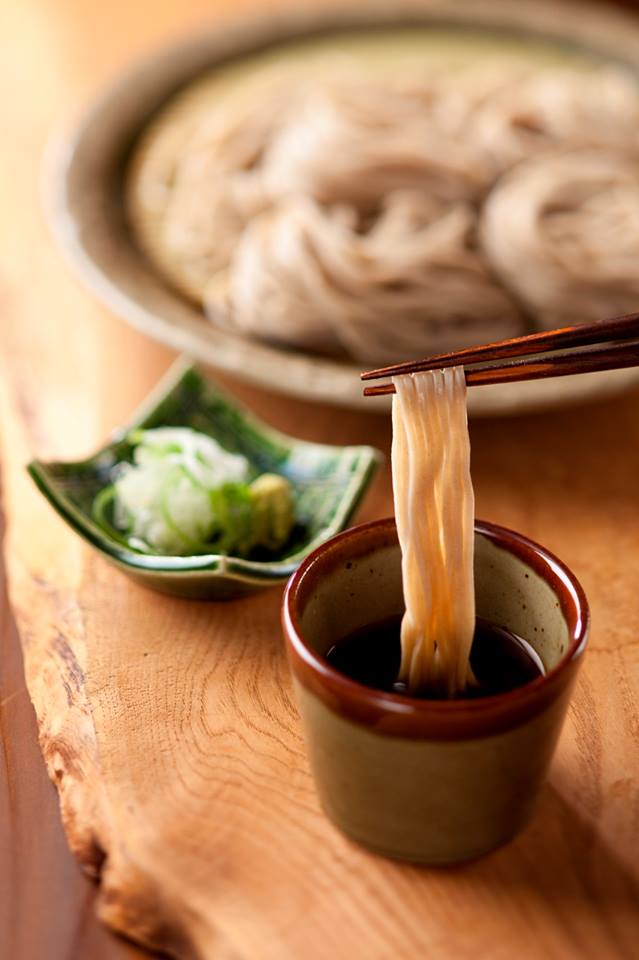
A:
(431, 781)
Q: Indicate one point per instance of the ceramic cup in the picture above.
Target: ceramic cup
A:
(431, 781)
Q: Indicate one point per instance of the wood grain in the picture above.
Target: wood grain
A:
(168, 726)
(34, 859)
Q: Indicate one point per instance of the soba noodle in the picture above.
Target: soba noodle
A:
(434, 511)
(217, 186)
(353, 142)
(412, 284)
(563, 232)
(394, 219)
(536, 113)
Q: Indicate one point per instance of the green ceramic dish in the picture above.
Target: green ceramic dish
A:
(328, 484)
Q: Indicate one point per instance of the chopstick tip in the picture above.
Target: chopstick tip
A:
(380, 390)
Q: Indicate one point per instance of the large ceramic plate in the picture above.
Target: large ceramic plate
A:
(84, 180)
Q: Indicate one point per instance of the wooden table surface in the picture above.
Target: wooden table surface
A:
(59, 54)
(568, 479)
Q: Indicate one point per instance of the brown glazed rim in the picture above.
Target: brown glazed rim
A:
(402, 716)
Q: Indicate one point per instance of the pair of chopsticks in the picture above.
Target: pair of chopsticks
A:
(584, 348)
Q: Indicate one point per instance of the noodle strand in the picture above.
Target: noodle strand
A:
(434, 510)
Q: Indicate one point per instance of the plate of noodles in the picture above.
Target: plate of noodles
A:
(295, 197)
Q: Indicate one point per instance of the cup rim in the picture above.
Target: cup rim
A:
(402, 715)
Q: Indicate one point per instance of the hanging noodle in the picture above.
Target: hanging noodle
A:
(434, 511)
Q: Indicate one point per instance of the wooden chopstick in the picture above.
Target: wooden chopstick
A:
(587, 359)
(601, 331)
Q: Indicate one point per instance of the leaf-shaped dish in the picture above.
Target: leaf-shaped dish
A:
(328, 483)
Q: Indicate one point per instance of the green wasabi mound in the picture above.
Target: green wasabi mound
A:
(184, 494)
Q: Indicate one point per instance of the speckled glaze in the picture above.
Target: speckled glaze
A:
(431, 781)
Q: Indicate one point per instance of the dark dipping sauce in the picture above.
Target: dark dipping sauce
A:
(500, 660)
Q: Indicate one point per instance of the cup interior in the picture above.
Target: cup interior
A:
(518, 585)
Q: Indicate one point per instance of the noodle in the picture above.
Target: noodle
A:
(413, 284)
(563, 232)
(434, 511)
(217, 187)
(389, 220)
(539, 112)
(354, 142)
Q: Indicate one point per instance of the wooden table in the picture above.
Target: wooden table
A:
(569, 887)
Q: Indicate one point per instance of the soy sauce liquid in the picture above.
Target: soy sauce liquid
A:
(500, 660)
